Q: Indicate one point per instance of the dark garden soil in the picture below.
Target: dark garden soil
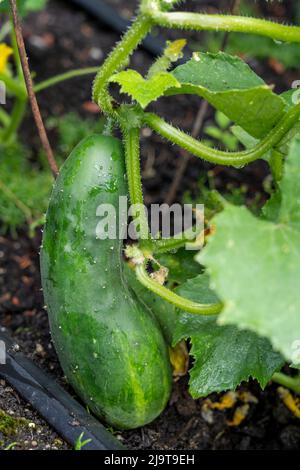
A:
(58, 39)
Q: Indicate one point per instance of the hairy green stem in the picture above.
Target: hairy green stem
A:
(168, 244)
(118, 59)
(226, 23)
(219, 157)
(63, 77)
(173, 298)
(164, 245)
(293, 383)
(132, 156)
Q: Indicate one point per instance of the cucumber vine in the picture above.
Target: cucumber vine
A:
(280, 123)
(154, 12)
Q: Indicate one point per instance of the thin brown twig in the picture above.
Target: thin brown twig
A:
(234, 8)
(30, 90)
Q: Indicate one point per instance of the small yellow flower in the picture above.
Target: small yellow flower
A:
(5, 53)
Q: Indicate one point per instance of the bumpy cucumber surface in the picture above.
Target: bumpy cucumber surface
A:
(109, 344)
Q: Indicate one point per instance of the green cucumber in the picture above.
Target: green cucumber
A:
(165, 313)
(109, 344)
(181, 268)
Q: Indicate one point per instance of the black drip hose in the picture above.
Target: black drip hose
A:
(53, 403)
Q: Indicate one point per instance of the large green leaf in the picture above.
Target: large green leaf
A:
(255, 264)
(224, 355)
(232, 87)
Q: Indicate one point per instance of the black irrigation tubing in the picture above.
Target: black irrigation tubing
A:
(53, 403)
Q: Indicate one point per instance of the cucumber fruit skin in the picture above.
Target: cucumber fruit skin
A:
(109, 343)
(164, 312)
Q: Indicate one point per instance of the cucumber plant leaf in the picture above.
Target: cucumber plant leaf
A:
(142, 90)
(254, 264)
(224, 355)
(230, 85)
